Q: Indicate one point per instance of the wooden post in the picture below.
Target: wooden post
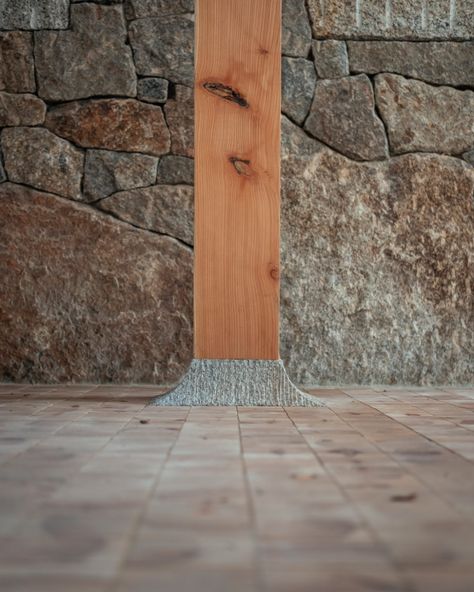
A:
(237, 210)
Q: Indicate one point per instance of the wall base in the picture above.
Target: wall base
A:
(236, 382)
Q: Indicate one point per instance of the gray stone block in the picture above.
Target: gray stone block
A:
(153, 90)
(173, 170)
(34, 14)
(236, 382)
(330, 58)
(298, 80)
(296, 30)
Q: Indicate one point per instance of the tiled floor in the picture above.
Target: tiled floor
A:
(100, 493)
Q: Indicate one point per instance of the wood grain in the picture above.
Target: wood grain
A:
(237, 179)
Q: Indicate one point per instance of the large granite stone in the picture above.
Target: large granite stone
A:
(438, 62)
(294, 140)
(180, 119)
(425, 118)
(91, 59)
(469, 157)
(296, 30)
(403, 19)
(34, 14)
(87, 298)
(298, 80)
(343, 116)
(164, 46)
(374, 269)
(166, 209)
(330, 58)
(144, 8)
(106, 172)
(175, 170)
(34, 156)
(21, 109)
(17, 73)
(113, 124)
(153, 90)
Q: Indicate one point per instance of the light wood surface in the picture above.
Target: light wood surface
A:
(237, 179)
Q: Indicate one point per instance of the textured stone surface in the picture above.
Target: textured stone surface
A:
(421, 117)
(330, 58)
(34, 156)
(21, 109)
(375, 268)
(73, 279)
(175, 170)
(34, 14)
(164, 47)
(236, 382)
(438, 62)
(298, 80)
(343, 116)
(3, 176)
(469, 157)
(167, 209)
(91, 59)
(294, 141)
(144, 8)
(113, 124)
(16, 62)
(153, 90)
(180, 118)
(106, 172)
(296, 30)
(403, 19)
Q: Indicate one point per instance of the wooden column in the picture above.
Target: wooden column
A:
(237, 179)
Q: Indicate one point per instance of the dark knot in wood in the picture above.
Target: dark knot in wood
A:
(241, 165)
(226, 92)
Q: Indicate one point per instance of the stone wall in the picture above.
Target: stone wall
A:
(96, 196)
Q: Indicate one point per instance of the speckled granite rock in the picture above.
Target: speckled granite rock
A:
(16, 62)
(91, 59)
(469, 157)
(113, 124)
(374, 269)
(106, 172)
(144, 8)
(34, 14)
(180, 119)
(175, 170)
(295, 142)
(330, 58)
(298, 80)
(296, 30)
(3, 176)
(34, 156)
(405, 19)
(153, 90)
(343, 116)
(73, 277)
(167, 209)
(21, 109)
(438, 62)
(425, 118)
(164, 46)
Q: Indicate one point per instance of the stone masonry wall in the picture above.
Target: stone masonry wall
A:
(96, 196)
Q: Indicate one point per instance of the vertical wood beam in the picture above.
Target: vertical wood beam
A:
(237, 179)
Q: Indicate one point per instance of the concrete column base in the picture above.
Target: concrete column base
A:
(236, 382)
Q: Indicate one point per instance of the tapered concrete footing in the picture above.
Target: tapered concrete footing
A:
(236, 382)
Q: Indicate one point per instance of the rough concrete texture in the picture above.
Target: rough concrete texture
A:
(376, 269)
(74, 275)
(236, 382)
(90, 59)
(425, 118)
